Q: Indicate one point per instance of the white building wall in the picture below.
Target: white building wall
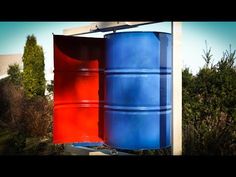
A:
(6, 60)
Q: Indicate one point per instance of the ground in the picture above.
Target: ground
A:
(12, 143)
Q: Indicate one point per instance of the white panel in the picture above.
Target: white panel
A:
(177, 89)
(103, 27)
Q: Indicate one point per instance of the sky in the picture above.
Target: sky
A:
(219, 36)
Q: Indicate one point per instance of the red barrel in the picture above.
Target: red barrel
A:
(78, 93)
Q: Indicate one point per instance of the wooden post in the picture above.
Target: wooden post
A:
(176, 28)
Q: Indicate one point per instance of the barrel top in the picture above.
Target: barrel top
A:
(157, 32)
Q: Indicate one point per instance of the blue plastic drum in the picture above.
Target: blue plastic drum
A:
(138, 90)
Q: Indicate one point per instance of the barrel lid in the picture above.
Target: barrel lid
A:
(157, 32)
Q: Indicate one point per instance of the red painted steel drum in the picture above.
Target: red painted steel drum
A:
(78, 93)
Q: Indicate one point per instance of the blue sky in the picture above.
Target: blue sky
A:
(218, 35)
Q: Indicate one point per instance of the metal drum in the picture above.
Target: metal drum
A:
(138, 89)
(78, 97)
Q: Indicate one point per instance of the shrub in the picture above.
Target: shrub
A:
(209, 108)
(14, 96)
(14, 73)
(37, 115)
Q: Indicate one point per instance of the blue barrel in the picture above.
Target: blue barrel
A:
(138, 90)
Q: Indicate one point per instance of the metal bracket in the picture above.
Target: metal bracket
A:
(103, 27)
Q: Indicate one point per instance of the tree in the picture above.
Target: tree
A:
(209, 107)
(207, 55)
(50, 87)
(33, 75)
(14, 73)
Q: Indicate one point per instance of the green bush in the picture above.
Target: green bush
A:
(14, 73)
(24, 110)
(209, 108)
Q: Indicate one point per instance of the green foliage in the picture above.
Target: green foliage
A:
(17, 143)
(50, 87)
(207, 55)
(209, 108)
(33, 74)
(15, 74)
(25, 113)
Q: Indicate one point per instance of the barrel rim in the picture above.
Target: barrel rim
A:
(157, 32)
